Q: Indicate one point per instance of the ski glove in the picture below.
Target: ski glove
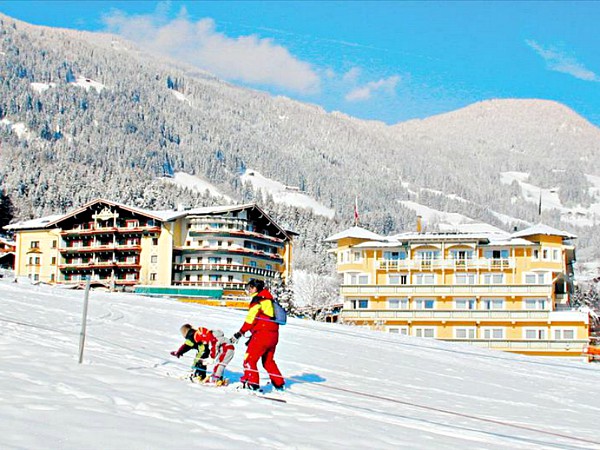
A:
(236, 337)
(175, 354)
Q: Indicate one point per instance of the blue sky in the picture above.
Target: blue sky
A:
(388, 61)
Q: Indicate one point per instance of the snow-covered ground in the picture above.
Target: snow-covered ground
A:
(285, 194)
(348, 387)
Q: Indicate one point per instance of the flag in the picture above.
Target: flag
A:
(356, 211)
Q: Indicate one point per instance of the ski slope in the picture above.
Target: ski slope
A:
(349, 388)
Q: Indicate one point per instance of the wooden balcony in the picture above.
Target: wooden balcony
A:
(276, 257)
(109, 230)
(101, 248)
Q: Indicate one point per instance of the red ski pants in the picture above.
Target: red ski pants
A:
(262, 346)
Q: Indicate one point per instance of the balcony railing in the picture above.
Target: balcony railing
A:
(179, 267)
(101, 248)
(232, 250)
(236, 285)
(236, 233)
(104, 230)
(451, 264)
(457, 315)
(575, 345)
(440, 290)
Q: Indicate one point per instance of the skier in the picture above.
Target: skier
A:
(264, 337)
(209, 343)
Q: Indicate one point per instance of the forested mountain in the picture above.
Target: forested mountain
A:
(86, 115)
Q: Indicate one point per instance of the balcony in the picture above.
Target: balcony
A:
(446, 264)
(236, 233)
(179, 267)
(109, 230)
(234, 285)
(276, 257)
(447, 290)
(101, 248)
(525, 346)
(453, 315)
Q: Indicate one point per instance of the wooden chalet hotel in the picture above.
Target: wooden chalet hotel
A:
(208, 252)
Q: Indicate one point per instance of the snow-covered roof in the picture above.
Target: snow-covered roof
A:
(540, 228)
(7, 241)
(162, 216)
(41, 222)
(355, 232)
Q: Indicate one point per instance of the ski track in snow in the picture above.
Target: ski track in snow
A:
(400, 392)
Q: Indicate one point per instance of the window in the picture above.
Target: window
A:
(534, 333)
(492, 303)
(556, 255)
(37, 260)
(398, 279)
(426, 332)
(252, 263)
(496, 254)
(535, 303)
(214, 260)
(154, 241)
(535, 278)
(53, 262)
(394, 256)
(535, 254)
(461, 255)
(465, 278)
(214, 278)
(465, 303)
(154, 259)
(427, 255)
(54, 244)
(398, 303)
(398, 330)
(36, 277)
(268, 266)
(493, 333)
(35, 244)
(561, 334)
(359, 304)
(425, 278)
(424, 303)
(493, 278)
(465, 333)
(52, 277)
(357, 256)
(357, 278)
(152, 277)
(132, 223)
(545, 253)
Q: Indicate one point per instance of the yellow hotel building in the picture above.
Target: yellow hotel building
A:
(206, 252)
(489, 288)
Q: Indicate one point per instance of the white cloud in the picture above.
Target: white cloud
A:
(248, 59)
(365, 92)
(561, 62)
(352, 75)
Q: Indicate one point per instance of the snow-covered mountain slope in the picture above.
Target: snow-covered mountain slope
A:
(347, 387)
(288, 195)
(195, 183)
(549, 199)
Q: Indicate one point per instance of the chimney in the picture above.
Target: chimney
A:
(419, 227)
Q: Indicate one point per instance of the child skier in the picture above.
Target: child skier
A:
(209, 343)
